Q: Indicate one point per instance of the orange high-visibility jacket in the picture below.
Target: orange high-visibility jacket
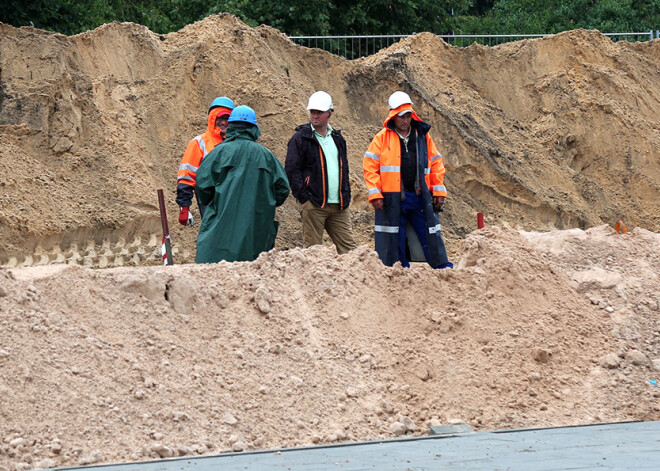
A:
(197, 149)
(382, 161)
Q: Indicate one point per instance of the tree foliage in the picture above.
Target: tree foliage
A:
(546, 16)
(346, 17)
(75, 16)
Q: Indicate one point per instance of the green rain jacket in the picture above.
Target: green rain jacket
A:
(241, 182)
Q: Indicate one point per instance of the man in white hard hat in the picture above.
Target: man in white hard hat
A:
(317, 168)
(405, 177)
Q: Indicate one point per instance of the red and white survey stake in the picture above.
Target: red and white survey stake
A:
(166, 248)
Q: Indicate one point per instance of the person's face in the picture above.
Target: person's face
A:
(402, 123)
(319, 119)
(222, 123)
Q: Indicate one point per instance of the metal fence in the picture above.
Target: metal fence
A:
(352, 47)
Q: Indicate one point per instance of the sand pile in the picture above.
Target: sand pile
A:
(558, 132)
(136, 362)
(305, 346)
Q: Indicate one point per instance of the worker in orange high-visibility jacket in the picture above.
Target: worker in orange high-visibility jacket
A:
(197, 149)
(405, 176)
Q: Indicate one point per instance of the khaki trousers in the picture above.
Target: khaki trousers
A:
(337, 223)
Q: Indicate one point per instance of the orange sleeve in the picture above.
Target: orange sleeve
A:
(371, 167)
(190, 161)
(437, 176)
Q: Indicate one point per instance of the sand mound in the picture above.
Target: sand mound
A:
(305, 346)
(558, 132)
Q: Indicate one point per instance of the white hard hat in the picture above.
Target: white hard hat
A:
(320, 101)
(399, 98)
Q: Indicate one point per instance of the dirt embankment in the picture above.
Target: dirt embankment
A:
(557, 132)
(304, 347)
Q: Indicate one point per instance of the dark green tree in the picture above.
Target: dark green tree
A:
(395, 16)
(343, 17)
(294, 17)
(346, 17)
(74, 16)
(64, 16)
(546, 16)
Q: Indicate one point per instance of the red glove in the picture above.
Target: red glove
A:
(185, 218)
(377, 203)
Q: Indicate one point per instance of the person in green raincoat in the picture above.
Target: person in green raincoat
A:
(241, 182)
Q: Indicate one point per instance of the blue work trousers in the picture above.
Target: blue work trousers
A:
(412, 209)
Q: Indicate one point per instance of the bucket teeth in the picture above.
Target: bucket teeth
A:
(87, 253)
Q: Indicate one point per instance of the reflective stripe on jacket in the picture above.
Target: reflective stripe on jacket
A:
(197, 149)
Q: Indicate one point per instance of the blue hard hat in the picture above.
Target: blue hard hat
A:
(243, 113)
(222, 101)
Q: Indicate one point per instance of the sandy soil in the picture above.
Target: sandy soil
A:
(550, 318)
(551, 133)
(305, 346)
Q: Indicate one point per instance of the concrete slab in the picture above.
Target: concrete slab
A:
(621, 446)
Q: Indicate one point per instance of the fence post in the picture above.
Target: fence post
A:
(657, 33)
(651, 35)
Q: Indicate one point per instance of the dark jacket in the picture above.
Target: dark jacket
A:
(241, 182)
(306, 168)
(409, 174)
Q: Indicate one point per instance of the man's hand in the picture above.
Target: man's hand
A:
(185, 218)
(377, 203)
(438, 201)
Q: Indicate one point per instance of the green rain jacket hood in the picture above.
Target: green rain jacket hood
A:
(241, 182)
